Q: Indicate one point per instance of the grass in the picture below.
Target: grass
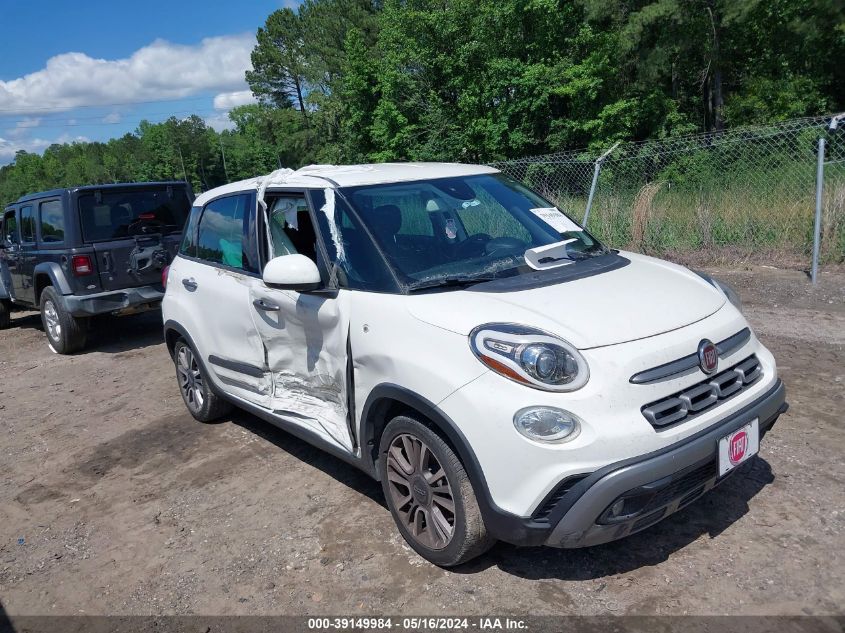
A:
(764, 214)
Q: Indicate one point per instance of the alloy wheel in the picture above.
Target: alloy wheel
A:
(420, 491)
(190, 378)
(51, 317)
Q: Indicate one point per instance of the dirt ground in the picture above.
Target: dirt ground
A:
(115, 501)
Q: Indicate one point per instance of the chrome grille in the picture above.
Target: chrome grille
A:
(701, 397)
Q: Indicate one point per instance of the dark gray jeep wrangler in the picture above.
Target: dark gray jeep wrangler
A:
(76, 253)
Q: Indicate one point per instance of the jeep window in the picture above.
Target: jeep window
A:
(463, 229)
(52, 221)
(27, 225)
(109, 215)
(10, 229)
(220, 238)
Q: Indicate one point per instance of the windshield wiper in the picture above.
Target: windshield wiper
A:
(458, 281)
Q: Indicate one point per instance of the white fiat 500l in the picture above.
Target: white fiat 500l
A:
(502, 373)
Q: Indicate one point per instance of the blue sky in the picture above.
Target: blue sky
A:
(92, 69)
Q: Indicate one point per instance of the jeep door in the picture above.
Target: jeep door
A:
(305, 334)
(10, 254)
(20, 255)
(135, 231)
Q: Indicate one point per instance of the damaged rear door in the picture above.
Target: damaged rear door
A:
(305, 334)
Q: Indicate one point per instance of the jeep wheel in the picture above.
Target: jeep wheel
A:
(66, 334)
(5, 314)
(430, 495)
(202, 402)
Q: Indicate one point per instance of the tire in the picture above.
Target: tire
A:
(66, 334)
(5, 314)
(432, 502)
(203, 404)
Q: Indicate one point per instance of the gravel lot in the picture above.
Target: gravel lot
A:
(114, 500)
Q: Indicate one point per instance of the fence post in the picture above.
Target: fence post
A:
(817, 227)
(596, 170)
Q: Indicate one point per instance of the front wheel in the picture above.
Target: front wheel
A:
(430, 495)
(66, 333)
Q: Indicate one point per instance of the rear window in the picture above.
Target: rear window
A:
(110, 215)
(52, 221)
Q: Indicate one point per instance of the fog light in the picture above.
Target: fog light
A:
(616, 509)
(547, 424)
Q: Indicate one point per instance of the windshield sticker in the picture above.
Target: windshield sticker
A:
(451, 229)
(555, 219)
(471, 203)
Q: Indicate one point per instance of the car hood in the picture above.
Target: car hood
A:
(645, 298)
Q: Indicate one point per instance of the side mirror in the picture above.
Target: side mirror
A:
(292, 272)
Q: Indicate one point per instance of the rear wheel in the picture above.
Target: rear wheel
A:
(202, 402)
(66, 334)
(430, 495)
(5, 314)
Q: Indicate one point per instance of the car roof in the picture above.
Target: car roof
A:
(117, 185)
(347, 176)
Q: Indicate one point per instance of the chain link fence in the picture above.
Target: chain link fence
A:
(745, 195)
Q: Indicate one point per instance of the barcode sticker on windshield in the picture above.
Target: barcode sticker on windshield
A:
(555, 219)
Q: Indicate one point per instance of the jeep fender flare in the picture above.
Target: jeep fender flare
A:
(56, 275)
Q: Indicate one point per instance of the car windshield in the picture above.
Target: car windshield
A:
(459, 231)
(110, 215)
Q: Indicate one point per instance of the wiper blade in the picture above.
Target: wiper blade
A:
(460, 281)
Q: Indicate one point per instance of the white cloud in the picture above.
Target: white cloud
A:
(23, 127)
(229, 100)
(220, 122)
(8, 148)
(113, 117)
(159, 71)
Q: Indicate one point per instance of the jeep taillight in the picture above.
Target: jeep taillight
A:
(164, 272)
(81, 265)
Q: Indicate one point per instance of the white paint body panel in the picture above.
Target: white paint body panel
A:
(647, 297)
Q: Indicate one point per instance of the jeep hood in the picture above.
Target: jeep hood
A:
(645, 298)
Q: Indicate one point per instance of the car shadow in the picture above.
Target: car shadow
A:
(334, 467)
(710, 515)
(108, 334)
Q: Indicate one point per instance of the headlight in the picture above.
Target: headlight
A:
(547, 424)
(730, 293)
(529, 356)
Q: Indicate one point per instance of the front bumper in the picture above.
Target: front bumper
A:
(676, 475)
(130, 299)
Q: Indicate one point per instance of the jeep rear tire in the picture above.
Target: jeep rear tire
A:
(66, 333)
(5, 316)
(430, 495)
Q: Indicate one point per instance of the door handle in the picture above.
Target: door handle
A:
(190, 284)
(264, 305)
